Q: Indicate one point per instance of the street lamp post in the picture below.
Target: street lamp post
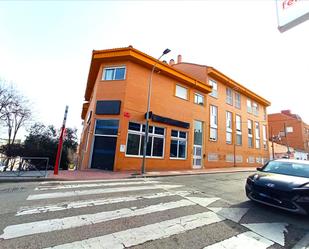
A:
(148, 109)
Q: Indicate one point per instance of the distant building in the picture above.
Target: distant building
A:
(289, 129)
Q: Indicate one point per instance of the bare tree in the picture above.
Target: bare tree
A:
(14, 114)
(6, 96)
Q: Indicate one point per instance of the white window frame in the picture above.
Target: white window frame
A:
(181, 87)
(249, 106)
(141, 133)
(255, 108)
(214, 84)
(237, 100)
(238, 128)
(213, 121)
(229, 96)
(257, 135)
(198, 96)
(250, 136)
(115, 68)
(265, 137)
(179, 139)
(229, 127)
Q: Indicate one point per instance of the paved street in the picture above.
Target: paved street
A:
(206, 211)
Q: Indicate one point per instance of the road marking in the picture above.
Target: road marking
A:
(96, 202)
(89, 181)
(139, 235)
(303, 243)
(202, 201)
(241, 241)
(271, 231)
(92, 185)
(98, 191)
(234, 214)
(45, 226)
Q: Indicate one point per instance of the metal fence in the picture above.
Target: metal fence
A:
(24, 166)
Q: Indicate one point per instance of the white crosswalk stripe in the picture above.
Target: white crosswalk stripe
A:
(92, 185)
(139, 235)
(96, 202)
(241, 241)
(19, 230)
(98, 191)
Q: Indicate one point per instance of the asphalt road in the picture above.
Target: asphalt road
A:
(205, 211)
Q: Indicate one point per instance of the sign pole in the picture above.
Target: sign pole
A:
(59, 151)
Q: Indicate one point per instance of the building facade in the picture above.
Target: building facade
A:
(188, 128)
(236, 133)
(288, 129)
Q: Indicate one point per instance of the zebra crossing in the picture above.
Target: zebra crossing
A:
(137, 213)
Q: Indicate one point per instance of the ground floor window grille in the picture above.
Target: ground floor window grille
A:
(213, 157)
(135, 141)
(238, 159)
(229, 158)
(251, 159)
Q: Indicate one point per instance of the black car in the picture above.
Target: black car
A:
(282, 183)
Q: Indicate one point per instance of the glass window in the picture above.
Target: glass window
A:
(249, 106)
(214, 92)
(255, 109)
(198, 132)
(238, 130)
(136, 136)
(181, 92)
(178, 147)
(114, 73)
(237, 100)
(250, 134)
(213, 123)
(228, 127)
(198, 99)
(257, 135)
(265, 137)
(106, 127)
(229, 96)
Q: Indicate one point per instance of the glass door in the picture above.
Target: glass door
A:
(198, 144)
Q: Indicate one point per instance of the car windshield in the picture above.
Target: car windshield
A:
(287, 168)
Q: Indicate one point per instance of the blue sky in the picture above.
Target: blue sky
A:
(45, 47)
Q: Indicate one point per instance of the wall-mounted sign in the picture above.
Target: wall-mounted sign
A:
(122, 148)
(291, 13)
(126, 114)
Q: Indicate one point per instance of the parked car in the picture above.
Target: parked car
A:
(281, 183)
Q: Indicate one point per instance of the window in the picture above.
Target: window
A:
(228, 127)
(136, 136)
(250, 142)
(238, 159)
(213, 123)
(181, 92)
(214, 85)
(257, 135)
(238, 130)
(114, 73)
(264, 113)
(264, 137)
(229, 158)
(178, 147)
(213, 157)
(237, 100)
(249, 106)
(198, 99)
(255, 109)
(229, 96)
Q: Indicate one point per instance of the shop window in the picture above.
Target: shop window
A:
(136, 137)
(178, 147)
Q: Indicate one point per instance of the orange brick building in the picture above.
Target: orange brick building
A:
(297, 131)
(183, 117)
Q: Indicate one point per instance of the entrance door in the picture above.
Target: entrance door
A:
(104, 146)
(103, 154)
(198, 144)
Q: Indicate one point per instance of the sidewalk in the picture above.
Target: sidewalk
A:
(93, 174)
